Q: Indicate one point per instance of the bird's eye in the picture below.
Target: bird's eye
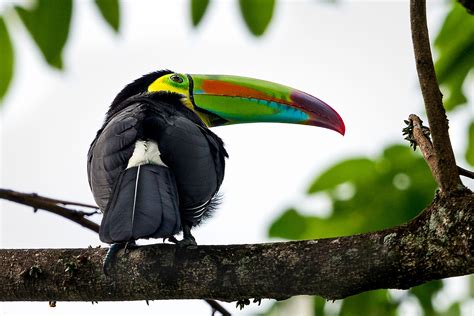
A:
(176, 79)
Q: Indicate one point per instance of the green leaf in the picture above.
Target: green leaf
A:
(470, 145)
(456, 48)
(351, 170)
(257, 14)
(373, 303)
(319, 303)
(291, 225)
(198, 8)
(453, 310)
(7, 59)
(110, 11)
(48, 23)
(379, 199)
(425, 294)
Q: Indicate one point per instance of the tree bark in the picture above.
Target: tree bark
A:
(437, 244)
(444, 167)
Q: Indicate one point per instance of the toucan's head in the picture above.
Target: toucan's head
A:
(222, 100)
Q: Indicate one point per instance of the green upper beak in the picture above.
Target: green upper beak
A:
(232, 99)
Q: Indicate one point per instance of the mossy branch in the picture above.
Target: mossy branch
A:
(437, 244)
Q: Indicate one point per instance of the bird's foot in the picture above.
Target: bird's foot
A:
(112, 254)
(245, 301)
(129, 246)
(186, 242)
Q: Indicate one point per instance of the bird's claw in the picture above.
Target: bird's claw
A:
(257, 300)
(187, 242)
(171, 239)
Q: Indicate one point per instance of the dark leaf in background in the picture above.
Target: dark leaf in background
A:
(455, 46)
(291, 225)
(257, 14)
(48, 23)
(470, 145)
(373, 303)
(6, 60)
(319, 304)
(425, 293)
(198, 8)
(110, 11)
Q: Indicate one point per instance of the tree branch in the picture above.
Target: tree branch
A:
(447, 171)
(418, 135)
(465, 172)
(50, 204)
(38, 202)
(437, 244)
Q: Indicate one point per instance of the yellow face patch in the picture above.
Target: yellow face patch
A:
(177, 83)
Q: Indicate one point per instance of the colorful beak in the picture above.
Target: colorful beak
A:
(231, 100)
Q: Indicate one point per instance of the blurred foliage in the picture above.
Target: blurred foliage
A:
(48, 24)
(198, 8)
(7, 60)
(257, 14)
(373, 303)
(366, 195)
(110, 10)
(455, 47)
(470, 145)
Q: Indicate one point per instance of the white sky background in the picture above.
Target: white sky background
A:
(356, 56)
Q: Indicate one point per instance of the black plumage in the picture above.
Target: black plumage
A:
(193, 154)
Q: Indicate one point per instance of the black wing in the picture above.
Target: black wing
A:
(110, 151)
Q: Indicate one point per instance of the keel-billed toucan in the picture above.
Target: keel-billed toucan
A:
(155, 167)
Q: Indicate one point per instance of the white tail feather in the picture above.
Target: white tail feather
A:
(135, 195)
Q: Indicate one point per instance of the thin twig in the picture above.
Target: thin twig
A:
(446, 168)
(466, 173)
(63, 202)
(218, 307)
(419, 135)
(38, 202)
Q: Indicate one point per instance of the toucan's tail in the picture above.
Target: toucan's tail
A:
(144, 204)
